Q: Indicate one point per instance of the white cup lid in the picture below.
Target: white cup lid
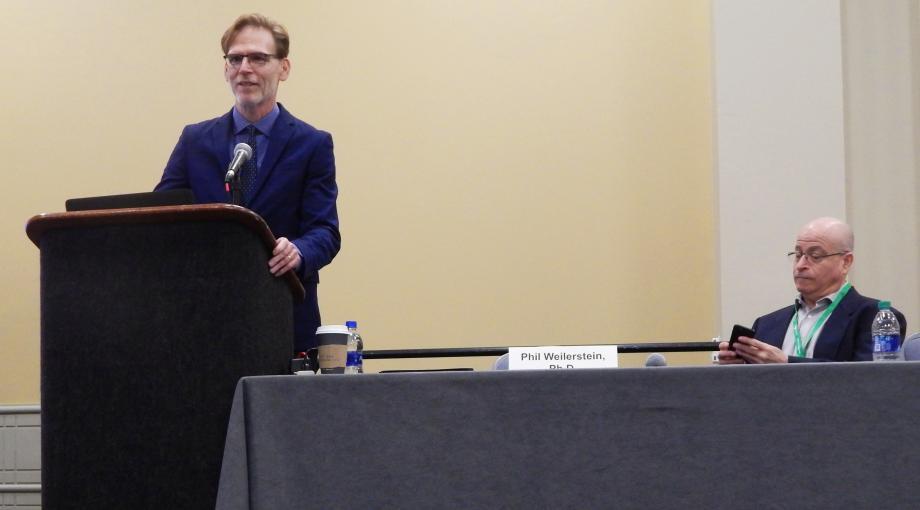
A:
(336, 328)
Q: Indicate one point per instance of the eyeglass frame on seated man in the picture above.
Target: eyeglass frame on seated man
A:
(796, 256)
(255, 59)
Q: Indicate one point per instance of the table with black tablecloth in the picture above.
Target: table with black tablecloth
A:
(797, 436)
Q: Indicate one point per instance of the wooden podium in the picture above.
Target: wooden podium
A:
(149, 316)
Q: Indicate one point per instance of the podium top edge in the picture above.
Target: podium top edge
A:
(41, 223)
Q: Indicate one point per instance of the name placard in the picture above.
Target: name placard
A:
(562, 357)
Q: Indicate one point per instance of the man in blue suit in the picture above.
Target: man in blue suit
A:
(829, 321)
(290, 178)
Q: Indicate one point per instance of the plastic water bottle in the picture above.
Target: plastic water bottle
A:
(351, 354)
(359, 346)
(886, 334)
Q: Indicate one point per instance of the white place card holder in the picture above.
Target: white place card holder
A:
(562, 357)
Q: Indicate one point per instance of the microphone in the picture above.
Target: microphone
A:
(655, 360)
(241, 154)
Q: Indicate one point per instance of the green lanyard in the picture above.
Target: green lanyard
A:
(800, 349)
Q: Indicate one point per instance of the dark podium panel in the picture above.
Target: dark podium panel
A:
(148, 319)
(823, 435)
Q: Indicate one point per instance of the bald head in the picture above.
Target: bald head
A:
(828, 244)
(836, 233)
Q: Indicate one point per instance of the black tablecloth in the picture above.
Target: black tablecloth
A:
(801, 436)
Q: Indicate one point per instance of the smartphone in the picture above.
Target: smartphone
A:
(737, 331)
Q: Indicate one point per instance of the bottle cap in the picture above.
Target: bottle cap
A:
(351, 324)
(884, 305)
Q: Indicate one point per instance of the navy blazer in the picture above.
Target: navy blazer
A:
(846, 336)
(294, 192)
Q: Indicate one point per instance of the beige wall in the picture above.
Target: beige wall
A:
(817, 114)
(780, 142)
(882, 91)
(511, 172)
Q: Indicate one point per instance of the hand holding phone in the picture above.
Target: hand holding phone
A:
(737, 331)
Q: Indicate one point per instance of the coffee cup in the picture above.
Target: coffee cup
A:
(332, 348)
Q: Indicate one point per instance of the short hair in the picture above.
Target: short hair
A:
(279, 33)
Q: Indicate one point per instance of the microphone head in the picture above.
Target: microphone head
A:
(655, 360)
(244, 148)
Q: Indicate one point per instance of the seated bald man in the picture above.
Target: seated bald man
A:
(829, 321)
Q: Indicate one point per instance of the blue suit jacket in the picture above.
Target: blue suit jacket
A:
(295, 193)
(846, 336)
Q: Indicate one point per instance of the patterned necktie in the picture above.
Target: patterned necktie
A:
(251, 167)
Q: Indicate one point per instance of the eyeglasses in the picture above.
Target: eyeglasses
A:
(812, 258)
(255, 59)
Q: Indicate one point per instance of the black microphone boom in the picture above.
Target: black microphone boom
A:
(241, 154)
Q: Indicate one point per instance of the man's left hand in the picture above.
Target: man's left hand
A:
(755, 351)
(285, 257)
